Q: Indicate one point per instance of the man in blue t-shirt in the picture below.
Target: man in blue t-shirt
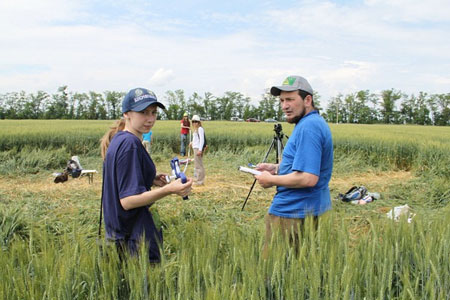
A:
(304, 172)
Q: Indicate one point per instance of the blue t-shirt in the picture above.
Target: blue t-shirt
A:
(147, 136)
(128, 170)
(309, 149)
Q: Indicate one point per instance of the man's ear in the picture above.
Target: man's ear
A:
(308, 101)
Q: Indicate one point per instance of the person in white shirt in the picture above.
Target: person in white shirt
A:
(198, 143)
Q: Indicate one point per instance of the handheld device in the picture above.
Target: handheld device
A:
(176, 173)
(248, 170)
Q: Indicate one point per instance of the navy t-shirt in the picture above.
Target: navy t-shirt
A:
(128, 170)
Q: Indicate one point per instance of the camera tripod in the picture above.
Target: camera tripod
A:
(277, 144)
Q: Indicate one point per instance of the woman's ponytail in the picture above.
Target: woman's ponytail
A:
(106, 139)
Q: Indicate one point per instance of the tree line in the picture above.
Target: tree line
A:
(388, 107)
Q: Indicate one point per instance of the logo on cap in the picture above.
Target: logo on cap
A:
(138, 92)
(289, 81)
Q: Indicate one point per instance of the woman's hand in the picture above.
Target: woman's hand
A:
(199, 153)
(149, 197)
(181, 189)
(160, 180)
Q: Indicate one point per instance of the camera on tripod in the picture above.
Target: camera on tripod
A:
(277, 144)
(277, 128)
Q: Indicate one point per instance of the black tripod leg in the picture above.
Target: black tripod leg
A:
(279, 150)
(264, 160)
(245, 202)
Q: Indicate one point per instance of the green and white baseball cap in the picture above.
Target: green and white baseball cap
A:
(292, 83)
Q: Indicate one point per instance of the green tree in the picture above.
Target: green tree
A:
(407, 109)
(240, 102)
(421, 111)
(225, 105)
(333, 114)
(364, 114)
(58, 104)
(20, 103)
(2, 107)
(210, 106)
(316, 98)
(94, 106)
(81, 105)
(35, 107)
(441, 115)
(340, 111)
(195, 105)
(113, 101)
(268, 106)
(388, 99)
(11, 105)
(350, 108)
(177, 104)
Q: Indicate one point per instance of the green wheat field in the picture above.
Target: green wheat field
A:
(49, 245)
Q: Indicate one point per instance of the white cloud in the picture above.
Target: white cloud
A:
(348, 77)
(161, 77)
(412, 10)
(25, 14)
(440, 80)
(372, 45)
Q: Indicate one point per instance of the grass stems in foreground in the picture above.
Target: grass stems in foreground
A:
(392, 261)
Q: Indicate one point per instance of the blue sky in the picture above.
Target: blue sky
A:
(217, 46)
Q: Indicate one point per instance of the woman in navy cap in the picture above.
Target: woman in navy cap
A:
(129, 174)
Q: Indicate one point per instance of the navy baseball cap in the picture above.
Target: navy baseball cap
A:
(139, 99)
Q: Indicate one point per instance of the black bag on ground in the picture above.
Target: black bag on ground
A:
(73, 168)
(355, 193)
(61, 177)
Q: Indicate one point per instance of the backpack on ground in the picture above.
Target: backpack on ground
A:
(73, 168)
(355, 193)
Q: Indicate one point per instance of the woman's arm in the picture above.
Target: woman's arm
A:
(149, 197)
(201, 135)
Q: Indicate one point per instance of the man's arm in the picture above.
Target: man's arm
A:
(293, 180)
